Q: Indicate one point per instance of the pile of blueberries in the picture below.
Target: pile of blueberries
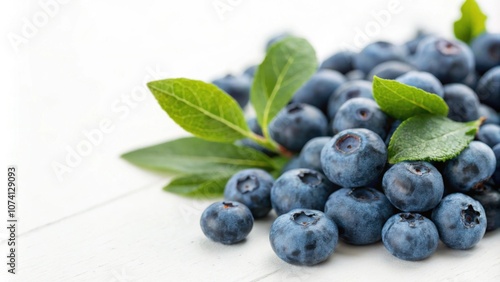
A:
(342, 186)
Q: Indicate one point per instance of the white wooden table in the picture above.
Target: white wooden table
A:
(84, 70)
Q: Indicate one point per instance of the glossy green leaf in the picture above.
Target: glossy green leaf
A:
(288, 64)
(430, 138)
(201, 109)
(472, 22)
(194, 155)
(402, 101)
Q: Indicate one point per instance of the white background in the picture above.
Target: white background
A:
(105, 220)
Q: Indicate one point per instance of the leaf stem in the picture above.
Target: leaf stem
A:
(267, 143)
(265, 132)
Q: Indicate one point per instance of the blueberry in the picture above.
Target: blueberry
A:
(462, 102)
(348, 90)
(226, 222)
(412, 44)
(449, 60)
(471, 168)
(341, 61)
(361, 113)
(390, 70)
(354, 157)
(310, 156)
(255, 128)
(303, 237)
(424, 81)
(376, 53)
(488, 113)
(318, 89)
(359, 214)
(237, 87)
(460, 220)
(486, 49)
(496, 174)
(488, 88)
(413, 186)
(296, 124)
(489, 134)
(300, 188)
(490, 200)
(410, 236)
(251, 187)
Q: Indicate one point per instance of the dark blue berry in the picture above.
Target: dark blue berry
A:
(310, 156)
(361, 113)
(486, 49)
(303, 237)
(354, 157)
(251, 187)
(488, 88)
(410, 236)
(226, 222)
(300, 188)
(413, 186)
(296, 124)
(448, 60)
(460, 220)
(359, 214)
(462, 102)
(471, 168)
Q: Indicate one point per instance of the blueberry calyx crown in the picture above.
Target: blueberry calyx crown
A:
(364, 114)
(348, 143)
(304, 218)
(364, 195)
(411, 218)
(418, 169)
(470, 217)
(228, 205)
(446, 47)
(247, 184)
(310, 178)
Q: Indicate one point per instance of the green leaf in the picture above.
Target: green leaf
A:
(201, 109)
(288, 64)
(402, 101)
(194, 155)
(199, 185)
(430, 138)
(471, 24)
